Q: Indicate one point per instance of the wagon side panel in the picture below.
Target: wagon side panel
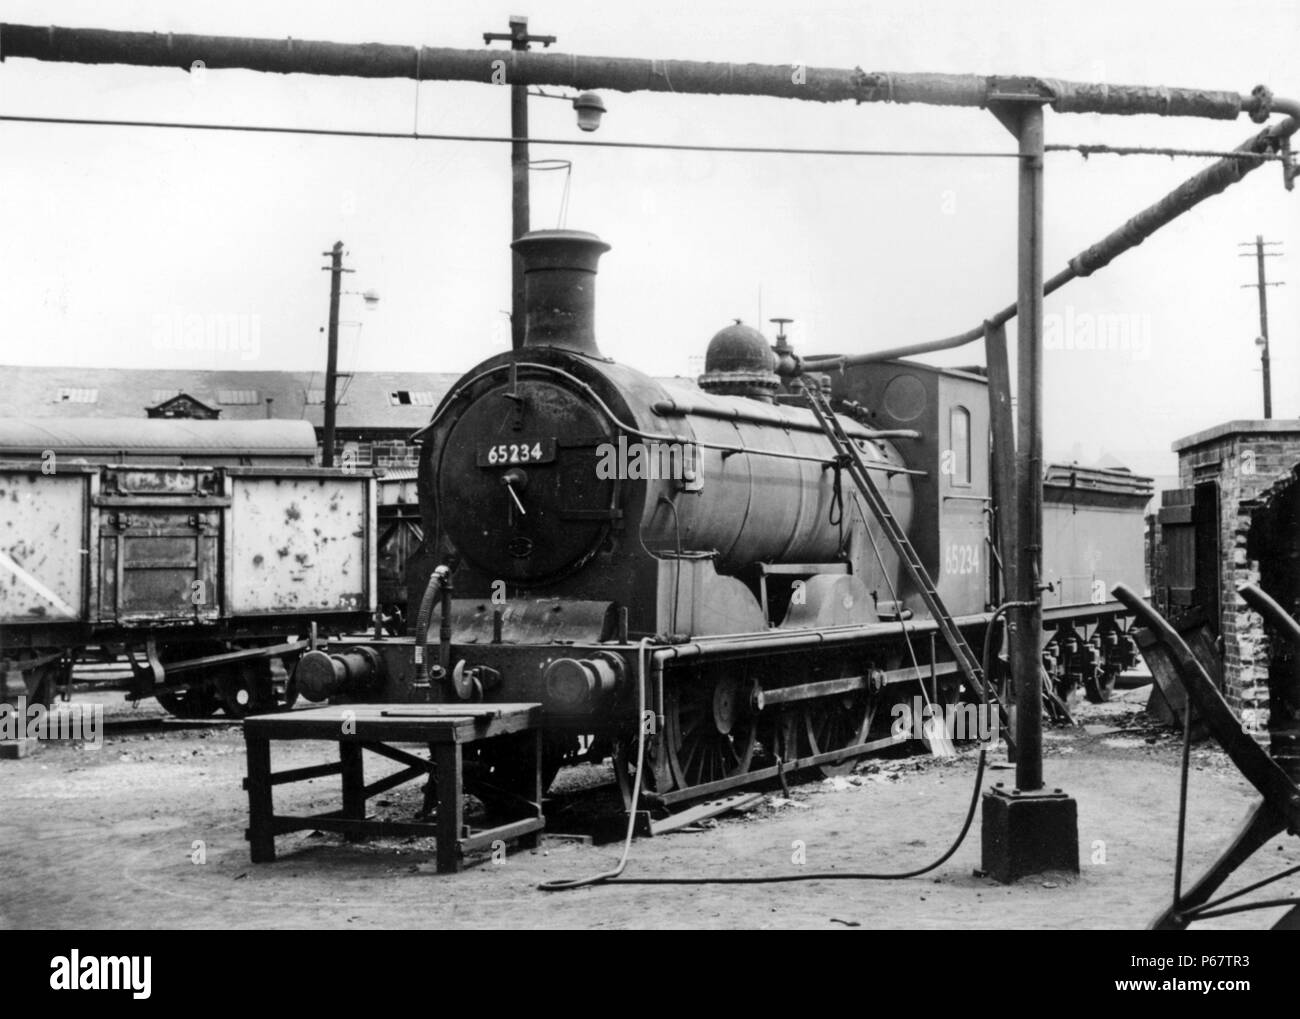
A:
(43, 521)
(299, 544)
(1091, 542)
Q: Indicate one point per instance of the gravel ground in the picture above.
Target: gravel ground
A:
(108, 838)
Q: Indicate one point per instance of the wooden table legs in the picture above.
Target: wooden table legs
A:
(260, 834)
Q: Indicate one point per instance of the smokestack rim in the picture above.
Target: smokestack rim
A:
(579, 250)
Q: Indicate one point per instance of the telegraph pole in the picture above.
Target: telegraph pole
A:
(336, 271)
(1262, 286)
(519, 39)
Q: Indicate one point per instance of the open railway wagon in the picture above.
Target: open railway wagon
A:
(208, 553)
(744, 566)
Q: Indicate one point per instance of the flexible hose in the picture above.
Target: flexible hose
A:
(564, 884)
(436, 588)
(608, 877)
(790, 878)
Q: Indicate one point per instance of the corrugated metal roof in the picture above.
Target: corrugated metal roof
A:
(23, 437)
(73, 394)
(126, 392)
(28, 392)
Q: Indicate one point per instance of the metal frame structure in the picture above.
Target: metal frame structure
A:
(1018, 102)
(1279, 809)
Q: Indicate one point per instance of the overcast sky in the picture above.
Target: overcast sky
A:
(112, 237)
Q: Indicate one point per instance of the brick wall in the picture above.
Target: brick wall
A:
(1245, 458)
(1275, 545)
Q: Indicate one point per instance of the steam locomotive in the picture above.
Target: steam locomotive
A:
(689, 562)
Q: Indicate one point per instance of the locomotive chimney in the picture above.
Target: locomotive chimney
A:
(560, 288)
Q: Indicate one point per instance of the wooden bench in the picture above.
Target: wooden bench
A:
(445, 728)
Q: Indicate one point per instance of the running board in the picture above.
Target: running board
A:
(696, 792)
(647, 827)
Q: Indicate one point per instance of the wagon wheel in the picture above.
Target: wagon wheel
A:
(244, 688)
(199, 701)
(709, 731)
(833, 723)
(42, 681)
(199, 698)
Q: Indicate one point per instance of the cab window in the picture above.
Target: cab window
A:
(959, 444)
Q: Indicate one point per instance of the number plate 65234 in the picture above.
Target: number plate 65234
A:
(522, 451)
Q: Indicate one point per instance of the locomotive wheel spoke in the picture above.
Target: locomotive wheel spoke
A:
(708, 733)
(788, 735)
(834, 723)
(656, 773)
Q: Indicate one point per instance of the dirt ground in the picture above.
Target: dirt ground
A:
(106, 839)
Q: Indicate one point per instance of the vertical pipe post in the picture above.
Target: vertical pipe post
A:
(520, 218)
(521, 215)
(1028, 829)
(1263, 325)
(1028, 615)
(1003, 426)
(335, 269)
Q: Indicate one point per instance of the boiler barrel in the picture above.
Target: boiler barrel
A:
(753, 508)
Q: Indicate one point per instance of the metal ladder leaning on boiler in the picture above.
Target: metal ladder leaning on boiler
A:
(848, 457)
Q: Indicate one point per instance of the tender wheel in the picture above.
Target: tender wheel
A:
(709, 731)
(834, 723)
(1099, 685)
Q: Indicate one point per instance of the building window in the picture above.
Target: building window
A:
(411, 397)
(237, 397)
(317, 396)
(959, 445)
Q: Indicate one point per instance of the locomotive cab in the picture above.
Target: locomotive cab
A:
(952, 528)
